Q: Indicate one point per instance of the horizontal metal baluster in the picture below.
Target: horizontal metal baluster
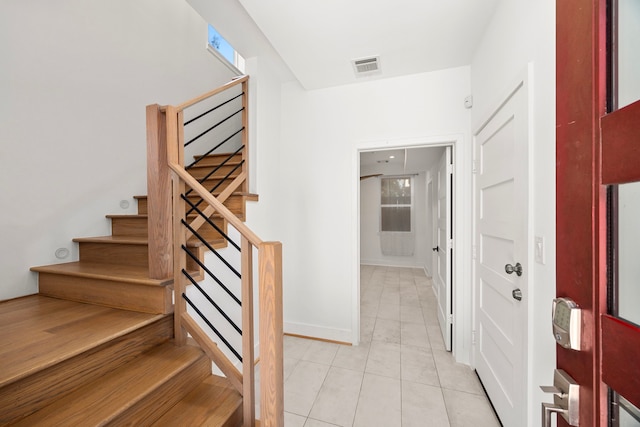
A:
(213, 303)
(213, 328)
(211, 223)
(218, 146)
(213, 109)
(212, 127)
(214, 277)
(218, 185)
(204, 242)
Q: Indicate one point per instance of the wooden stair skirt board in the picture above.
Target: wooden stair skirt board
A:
(85, 365)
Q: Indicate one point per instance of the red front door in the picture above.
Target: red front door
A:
(598, 208)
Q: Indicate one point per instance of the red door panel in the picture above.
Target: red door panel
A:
(591, 153)
(620, 350)
(621, 145)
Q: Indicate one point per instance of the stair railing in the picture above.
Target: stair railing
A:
(179, 205)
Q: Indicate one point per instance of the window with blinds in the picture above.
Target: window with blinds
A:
(395, 204)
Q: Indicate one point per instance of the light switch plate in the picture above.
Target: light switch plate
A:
(539, 249)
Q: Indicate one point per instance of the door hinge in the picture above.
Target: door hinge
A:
(473, 337)
(474, 252)
(449, 169)
(450, 244)
(474, 167)
(450, 319)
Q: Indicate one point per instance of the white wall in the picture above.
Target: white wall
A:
(523, 31)
(75, 77)
(321, 133)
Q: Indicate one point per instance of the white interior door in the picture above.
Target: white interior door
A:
(444, 246)
(501, 191)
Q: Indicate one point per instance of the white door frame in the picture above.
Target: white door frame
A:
(462, 198)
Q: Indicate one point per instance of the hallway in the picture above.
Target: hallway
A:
(399, 375)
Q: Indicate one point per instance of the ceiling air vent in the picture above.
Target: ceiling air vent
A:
(366, 65)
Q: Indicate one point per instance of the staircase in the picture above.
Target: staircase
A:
(95, 347)
(121, 336)
(76, 364)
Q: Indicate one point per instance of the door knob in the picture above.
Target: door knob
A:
(511, 268)
(517, 294)
(435, 249)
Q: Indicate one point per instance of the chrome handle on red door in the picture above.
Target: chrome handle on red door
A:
(566, 399)
(547, 410)
(511, 268)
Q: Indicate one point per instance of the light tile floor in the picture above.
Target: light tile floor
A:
(399, 375)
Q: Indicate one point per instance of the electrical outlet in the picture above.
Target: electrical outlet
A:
(539, 249)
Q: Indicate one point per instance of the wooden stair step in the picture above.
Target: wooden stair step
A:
(199, 172)
(117, 250)
(137, 226)
(120, 286)
(126, 273)
(142, 204)
(129, 225)
(218, 183)
(213, 403)
(132, 250)
(51, 346)
(218, 158)
(136, 393)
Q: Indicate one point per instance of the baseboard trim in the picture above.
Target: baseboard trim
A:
(317, 332)
(317, 339)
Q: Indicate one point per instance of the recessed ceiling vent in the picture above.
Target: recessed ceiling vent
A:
(366, 66)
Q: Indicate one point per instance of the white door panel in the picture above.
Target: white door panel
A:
(501, 191)
(442, 276)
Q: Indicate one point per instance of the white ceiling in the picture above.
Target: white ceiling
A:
(319, 39)
(397, 161)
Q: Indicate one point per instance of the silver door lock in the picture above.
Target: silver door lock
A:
(566, 398)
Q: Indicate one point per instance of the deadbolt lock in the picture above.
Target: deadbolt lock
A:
(516, 294)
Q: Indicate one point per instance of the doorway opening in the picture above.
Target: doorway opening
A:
(420, 161)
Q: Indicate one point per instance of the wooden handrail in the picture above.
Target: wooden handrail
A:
(209, 94)
(216, 204)
(209, 210)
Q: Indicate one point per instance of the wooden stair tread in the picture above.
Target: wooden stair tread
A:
(124, 273)
(145, 216)
(38, 331)
(205, 166)
(216, 193)
(227, 163)
(135, 240)
(104, 400)
(129, 240)
(214, 403)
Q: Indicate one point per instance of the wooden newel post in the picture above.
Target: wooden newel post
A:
(159, 203)
(271, 331)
